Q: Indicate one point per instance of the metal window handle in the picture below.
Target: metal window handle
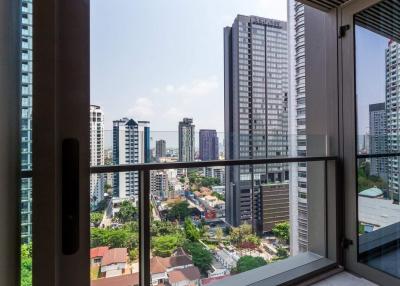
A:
(70, 196)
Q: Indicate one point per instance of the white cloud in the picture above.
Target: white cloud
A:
(143, 108)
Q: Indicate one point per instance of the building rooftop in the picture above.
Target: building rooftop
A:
(98, 251)
(122, 280)
(115, 255)
(161, 264)
(377, 212)
(371, 193)
(184, 274)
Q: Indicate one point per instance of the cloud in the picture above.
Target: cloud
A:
(143, 108)
(195, 88)
(165, 106)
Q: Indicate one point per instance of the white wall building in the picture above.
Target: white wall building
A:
(297, 128)
(96, 153)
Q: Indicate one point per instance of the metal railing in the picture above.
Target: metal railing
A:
(144, 192)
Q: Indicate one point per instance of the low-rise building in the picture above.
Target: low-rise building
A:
(114, 262)
(184, 276)
(97, 254)
(123, 280)
(160, 267)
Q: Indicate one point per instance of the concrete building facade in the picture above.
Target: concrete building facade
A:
(256, 87)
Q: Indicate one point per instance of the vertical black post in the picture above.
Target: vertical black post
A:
(144, 227)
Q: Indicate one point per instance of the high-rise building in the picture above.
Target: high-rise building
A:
(208, 145)
(297, 128)
(186, 140)
(96, 154)
(26, 118)
(274, 199)
(377, 139)
(130, 146)
(392, 61)
(159, 183)
(256, 86)
(161, 149)
(215, 172)
(144, 141)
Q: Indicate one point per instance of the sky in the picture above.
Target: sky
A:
(370, 74)
(162, 60)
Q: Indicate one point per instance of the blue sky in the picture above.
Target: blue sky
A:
(370, 74)
(161, 60)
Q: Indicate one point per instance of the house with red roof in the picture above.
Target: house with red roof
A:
(96, 254)
(184, 276)
(160, 267)
(114, 262)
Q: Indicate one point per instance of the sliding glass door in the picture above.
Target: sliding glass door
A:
(370, 61)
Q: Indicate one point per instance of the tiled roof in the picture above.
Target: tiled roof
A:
(98, 251)
(161, 264)
(207, 281)
(122, 280)
(184, 274)
(156, 266)
(115, 255)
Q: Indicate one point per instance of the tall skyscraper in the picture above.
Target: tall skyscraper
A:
(256, 86)
(96, 154)
(26, 120)
(161, 149)
(392, 116)
(297, 128)
(131, 145)
(208, 145)
(186, 140)
(377, 138)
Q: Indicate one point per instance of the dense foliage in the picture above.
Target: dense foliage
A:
(201, 257)
(366, 181)
(246, 263)
(191, 231)
(281, 231)
(218, 196)
(26, 264)
(95, 218)
(179, 211)
(119, 237)
(165, 245)
(127, 212)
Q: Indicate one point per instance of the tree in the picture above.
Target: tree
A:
(127, 212)
(165, 245)
(238, 234)
(218, 196)
(253, 239)
(120, 237)
(246, 263)
(26, 264)
(102, 205)
(159, 228)
(96, 218)
(209, 182)
(179, 211)
(282, 253)
(133, 254)
(191, 231)
(182, 180)
(281, 231)
(201, 257)
(219, 233)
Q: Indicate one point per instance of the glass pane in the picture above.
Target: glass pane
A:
(114, 235)
(377, 80)
(26, 141)
(203, 82)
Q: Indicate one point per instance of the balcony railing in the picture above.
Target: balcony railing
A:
(297, 262)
